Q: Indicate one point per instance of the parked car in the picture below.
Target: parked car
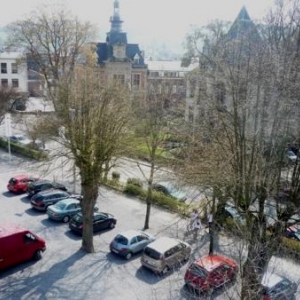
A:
(275, 287)
(19, 244)
(19, 183)
(130, 242)
(231, 212)
(64, 210)
(210, 272)
(293, 232)
(101, 221)
(291, 156)
(42, 200)
(41, 185)
(165, 253)
(170, 190)
(19, 138)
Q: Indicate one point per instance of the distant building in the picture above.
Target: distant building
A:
(170, 76)
(203, 87)
(121, 61)
(13, 71)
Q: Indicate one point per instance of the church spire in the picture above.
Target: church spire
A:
(115, 20)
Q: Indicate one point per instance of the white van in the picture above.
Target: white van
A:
(164, 253)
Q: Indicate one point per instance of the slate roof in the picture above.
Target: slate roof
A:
(104, 52)
(242, 26)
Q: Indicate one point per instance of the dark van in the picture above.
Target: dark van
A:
(18, 245)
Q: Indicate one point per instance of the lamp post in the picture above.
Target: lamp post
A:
(8, 132)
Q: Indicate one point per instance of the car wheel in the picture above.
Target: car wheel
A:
(165, 270)
(111, 225)
(128, 255)
(66, 219)
(37, 255)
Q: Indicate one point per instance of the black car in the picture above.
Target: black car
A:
(42, 185)
(293, 232)
(43, 199)
(101, 221)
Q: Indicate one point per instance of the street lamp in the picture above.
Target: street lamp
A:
(8, 132)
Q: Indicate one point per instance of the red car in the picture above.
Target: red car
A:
(210, 272)
(19, 183)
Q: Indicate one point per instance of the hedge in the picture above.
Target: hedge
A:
(158, 198)
(24, 150)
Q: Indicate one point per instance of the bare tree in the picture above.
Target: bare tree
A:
(92, 124)
(251, 133)
(52, 40)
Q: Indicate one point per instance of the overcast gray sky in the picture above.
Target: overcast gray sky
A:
(145, 21)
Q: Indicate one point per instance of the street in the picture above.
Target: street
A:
(66, 272)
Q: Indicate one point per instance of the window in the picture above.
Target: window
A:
(174, 89)
(4, 82)
(15, 83)
(133, 241)
(141, 238)
(136, 80)
(119, 78)
(154, 74)
(3, 68)
(159, 89)
(14, 68)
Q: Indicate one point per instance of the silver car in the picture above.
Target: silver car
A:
(130, 242)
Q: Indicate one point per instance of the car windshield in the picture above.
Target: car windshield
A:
(78, 218)
(198, 271)
(152, 253)
(120, 239)
(12, 181)
(60, 205)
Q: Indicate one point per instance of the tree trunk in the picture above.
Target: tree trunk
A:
(212, 225)
(90, 195)
(149, 195)
(257, 260)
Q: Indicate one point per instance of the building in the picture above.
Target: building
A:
(13, 71)
(170, 76)
(205, 87)
(120, 60)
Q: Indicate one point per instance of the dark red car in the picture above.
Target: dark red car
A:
(210, 272)
(19, 183)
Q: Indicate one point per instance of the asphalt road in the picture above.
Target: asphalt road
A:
(66, 272)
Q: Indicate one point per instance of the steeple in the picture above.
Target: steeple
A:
(115, 20)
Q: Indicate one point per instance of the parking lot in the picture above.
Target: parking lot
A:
(66, 272)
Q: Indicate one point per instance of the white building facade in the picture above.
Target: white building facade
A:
(13, 72)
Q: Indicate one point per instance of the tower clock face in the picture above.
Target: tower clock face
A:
(119, 51)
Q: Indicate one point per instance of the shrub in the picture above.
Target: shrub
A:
(134, 190)
(115, 175)
(24, 150)
(135, 181)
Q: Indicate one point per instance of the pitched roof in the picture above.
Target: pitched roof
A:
(242, 26)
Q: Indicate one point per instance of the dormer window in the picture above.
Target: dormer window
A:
(136, 59)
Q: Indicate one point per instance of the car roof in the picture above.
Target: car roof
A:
(164, 243)
(130, 233)
(22, 176)
(39, 182)
(51, 191)
(270, 279)
(211, 262)
(69, 201)
(8, 229)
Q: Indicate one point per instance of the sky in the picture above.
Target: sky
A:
(147, 22)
